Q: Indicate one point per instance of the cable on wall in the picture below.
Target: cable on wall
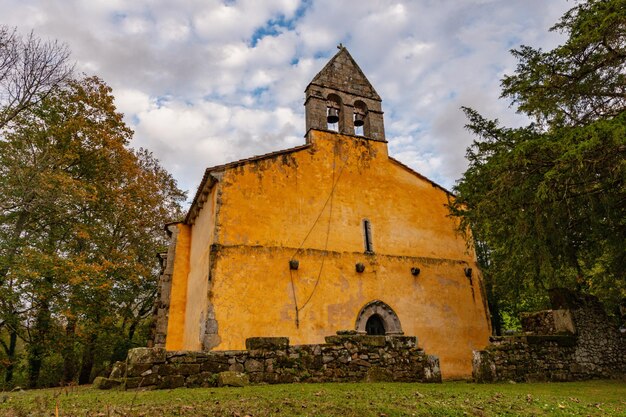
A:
(328, 201)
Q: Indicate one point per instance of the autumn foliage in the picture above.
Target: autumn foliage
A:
(81, 217)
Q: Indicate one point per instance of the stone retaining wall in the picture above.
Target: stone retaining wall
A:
(342, 358)
(575, 341)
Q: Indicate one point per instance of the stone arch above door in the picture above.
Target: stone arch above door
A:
(386, 313)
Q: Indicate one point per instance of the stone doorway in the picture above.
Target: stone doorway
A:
(375, 325)
(377, 318)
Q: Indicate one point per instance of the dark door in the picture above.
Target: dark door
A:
(375, 325)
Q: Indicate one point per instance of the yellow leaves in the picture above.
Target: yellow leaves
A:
(82, 234)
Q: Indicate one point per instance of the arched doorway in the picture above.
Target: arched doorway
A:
(377, 318)
(375, 325)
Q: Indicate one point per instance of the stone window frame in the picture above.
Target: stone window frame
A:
(386, 313)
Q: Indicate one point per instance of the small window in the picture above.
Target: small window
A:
(367, 234)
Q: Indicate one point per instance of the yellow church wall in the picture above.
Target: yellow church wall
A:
(268, 207)
(275, 202)
(439, 306)
(178, 292)
(197, 288)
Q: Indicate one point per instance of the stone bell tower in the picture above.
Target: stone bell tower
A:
(341, 92)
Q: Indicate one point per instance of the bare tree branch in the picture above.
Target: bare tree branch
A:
(29, 69)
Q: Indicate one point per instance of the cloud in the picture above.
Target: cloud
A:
(205, 82)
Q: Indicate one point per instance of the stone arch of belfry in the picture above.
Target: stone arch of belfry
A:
(386, 313)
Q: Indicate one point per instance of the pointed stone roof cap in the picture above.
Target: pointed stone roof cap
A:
(342, 73)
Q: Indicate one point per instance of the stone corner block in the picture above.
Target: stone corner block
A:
(432, 371)
(146, 355)
(267, 343)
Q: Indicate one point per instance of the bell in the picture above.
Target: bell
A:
(333, 115)
(358, 120)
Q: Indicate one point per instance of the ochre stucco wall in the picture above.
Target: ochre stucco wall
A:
(268, 207)
(202, 233)
(178, 294)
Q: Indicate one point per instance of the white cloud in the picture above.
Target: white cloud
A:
(206, 82)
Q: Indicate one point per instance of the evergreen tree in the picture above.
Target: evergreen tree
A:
(547, 201)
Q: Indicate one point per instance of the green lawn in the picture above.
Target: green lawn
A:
(594, 398)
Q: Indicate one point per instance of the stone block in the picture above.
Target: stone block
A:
(214, 366)
(235, 367)
(132, 383)
(361, 362)
(147, 380)
(432, 371)
(232, 379)
(182, 356)
(335, 340)
(146, 355)
(378, 374)
(106, 383)
(166, 369)
(172, 381)
(119, 370)
(563, 321)
(203, 379)
(136, 369)
(252, 365)
(187, 368)
(267, 343)
(372, 340)
(402, 342)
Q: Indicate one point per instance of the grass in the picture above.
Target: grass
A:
(592, 398)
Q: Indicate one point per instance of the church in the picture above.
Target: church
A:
(329, 236)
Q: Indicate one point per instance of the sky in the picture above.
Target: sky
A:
(205, 82)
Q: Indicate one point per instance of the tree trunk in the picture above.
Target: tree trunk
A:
(494, 309)
(88, 361)
(10, 351)
(37, 345)
(69, 352)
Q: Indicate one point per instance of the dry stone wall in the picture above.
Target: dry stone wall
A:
(575, 341)
(345, 357)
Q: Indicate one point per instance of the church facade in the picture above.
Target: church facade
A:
(331, 235)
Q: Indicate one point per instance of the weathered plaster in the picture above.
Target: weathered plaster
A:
(178, 292)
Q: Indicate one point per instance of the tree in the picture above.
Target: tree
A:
(547, 201)
(30, 69)
(79, 228)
